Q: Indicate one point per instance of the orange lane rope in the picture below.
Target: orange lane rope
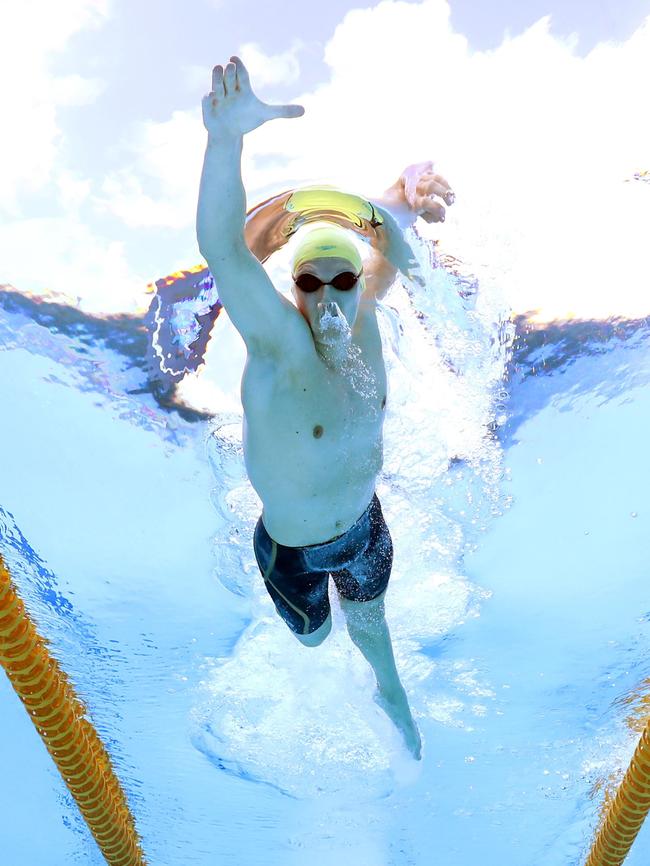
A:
(71, 740)
(627, 811)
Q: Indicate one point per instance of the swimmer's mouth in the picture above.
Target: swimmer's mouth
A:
(331, 317)
(329, 308)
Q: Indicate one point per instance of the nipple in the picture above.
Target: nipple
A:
(318, 431)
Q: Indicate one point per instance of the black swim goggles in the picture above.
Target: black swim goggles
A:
(343, 282)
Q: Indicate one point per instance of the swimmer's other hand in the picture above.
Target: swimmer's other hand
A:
(419, 190)
(231, 107)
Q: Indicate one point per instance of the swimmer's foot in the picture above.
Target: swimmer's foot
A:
(395, 705)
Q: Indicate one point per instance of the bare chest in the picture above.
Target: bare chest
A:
(312, 431)
(313, 405)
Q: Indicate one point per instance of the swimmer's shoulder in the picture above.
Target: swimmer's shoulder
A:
(270, 325)
(288, 342)
(287, 349)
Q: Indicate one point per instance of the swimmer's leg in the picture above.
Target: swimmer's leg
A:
(317, 637)
(368, 630)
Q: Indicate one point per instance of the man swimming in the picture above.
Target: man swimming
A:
(313, 392)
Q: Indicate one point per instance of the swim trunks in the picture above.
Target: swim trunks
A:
(359, 561)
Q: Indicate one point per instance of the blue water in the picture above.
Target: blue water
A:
(516, 489)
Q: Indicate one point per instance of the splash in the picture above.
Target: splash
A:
(332, 319)
(361, 378)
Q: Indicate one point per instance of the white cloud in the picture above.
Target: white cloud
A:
(271, 69)
(73, 90)
(265, 69)
(125, 197)
(58, 253)
(32, 32)
(535, 140)
(159, 187)
(33, 28)
(73, 189)
(64, 256)
(196, 78)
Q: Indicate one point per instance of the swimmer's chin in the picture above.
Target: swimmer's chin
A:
(338, 332)
(333, 348)
(333, 339)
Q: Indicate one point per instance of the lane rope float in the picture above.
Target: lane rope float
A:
(627, 811)
(60, 718)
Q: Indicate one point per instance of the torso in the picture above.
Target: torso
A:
(313, 437)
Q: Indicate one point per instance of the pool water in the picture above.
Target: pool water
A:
(515, 486)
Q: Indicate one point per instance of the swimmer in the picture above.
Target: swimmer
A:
(313, 391)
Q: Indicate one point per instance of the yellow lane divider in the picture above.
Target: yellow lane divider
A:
(71, 740)
(627, 811)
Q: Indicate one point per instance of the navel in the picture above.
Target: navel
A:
(383, 403)
(317, 431)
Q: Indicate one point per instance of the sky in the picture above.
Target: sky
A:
(532, 110)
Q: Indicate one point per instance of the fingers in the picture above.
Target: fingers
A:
(437, 185)
(286, 110)
(447, 193)
(294, 110)
(243, 81)
(420, 179)
(434, 213)
(232, 82)
(227, 80)
(217, 81)
(230, 78)
(417, 169)
(439, 179)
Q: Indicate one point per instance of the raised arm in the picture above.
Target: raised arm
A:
(230, 110)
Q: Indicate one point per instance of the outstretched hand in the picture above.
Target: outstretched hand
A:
(232, 108)
(419, 191)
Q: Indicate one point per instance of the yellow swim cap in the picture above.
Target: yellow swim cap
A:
(326, 242)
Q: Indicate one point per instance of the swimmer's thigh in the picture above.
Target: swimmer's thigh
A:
(299, 596)
(366, 578)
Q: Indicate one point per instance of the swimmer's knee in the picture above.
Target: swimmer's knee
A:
(363, 612)
(376, 603)
(316, 638)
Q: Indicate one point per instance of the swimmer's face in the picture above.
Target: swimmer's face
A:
(330, 312)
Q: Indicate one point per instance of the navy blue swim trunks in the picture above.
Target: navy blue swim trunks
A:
(359, 561)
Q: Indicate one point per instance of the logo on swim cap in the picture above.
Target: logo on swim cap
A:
(326, 242)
